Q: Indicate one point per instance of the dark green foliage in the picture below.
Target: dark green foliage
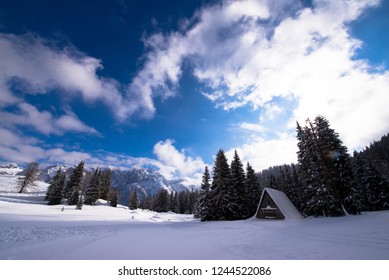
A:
(80, 201)
(72, 187)
(105, 183)
(146, 203)
(232, 194)
(113, 197)
(253, 191)
(174, 203)
(378, 154)
(202, 203)
(187, 200)
(93, 188)
(74, 197)
(29, 176)
(54, 191)
(133, 202)
(324, 171)
(377, 194)
(356, 199)
(371, 188)
(221, 197)
(161, 201)
(238, 188)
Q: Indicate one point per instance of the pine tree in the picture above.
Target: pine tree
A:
(202, 203)
(253, 190)
(325, 171)
(377, 189)
(174, 204)
(113, 197)
(72, 188)
(92, 189)
(133, 201)
(54, 191)
(80, 201)
(161, 201)
(293, 187)
(222, 204)
(29, 176)
(105, 184)
(356, 199)
(238, 188)
(335, 159)
(185, 203)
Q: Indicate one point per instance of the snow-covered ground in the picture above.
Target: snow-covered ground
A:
(29, 229)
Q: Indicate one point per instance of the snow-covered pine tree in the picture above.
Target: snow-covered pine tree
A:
(222, 204)
(325, 171)
(133, 202)
(72, 187)
(80, 201)
(113, 197)
(201, 206)
(174, 202)
(54, 191)
(93, 188)
(292, 186)
(317, 193)
(185, 202)
(356, 199)
(105, 183)
(377, 189)
(161, 201)
(335, 160)
(238, 188)
(253, 190)
(29, 176)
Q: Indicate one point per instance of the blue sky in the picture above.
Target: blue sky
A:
(165, 84)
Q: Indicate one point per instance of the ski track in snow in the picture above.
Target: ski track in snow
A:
(30, 229)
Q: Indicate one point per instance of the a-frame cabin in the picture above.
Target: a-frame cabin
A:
(275, 204)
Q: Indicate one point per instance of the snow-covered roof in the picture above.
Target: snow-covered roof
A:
(283, 203)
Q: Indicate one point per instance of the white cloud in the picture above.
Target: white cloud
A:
(15, 147)
(170, 162)
(44, 122)
(279, 51)
(37, 67)
(263, 153)
(175, 163)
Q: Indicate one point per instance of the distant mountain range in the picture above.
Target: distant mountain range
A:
(147, 182)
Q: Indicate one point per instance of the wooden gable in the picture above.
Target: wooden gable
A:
(275, 204)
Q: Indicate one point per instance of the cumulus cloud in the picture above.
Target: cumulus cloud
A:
(43, 121)
(15, 147)
(37, 66)
(286, 61)
(175, 163)
(262, 153)
(269, 56)
(170, 162)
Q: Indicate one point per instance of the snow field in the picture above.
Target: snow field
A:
(32, 230)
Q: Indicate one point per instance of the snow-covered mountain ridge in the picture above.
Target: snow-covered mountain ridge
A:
(10, 169)
(147, 182)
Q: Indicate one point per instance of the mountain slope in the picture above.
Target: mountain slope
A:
(147, 182)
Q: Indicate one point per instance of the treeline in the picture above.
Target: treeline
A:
(81, 187)
(180, 203)
(231, 194)
(327, 181)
